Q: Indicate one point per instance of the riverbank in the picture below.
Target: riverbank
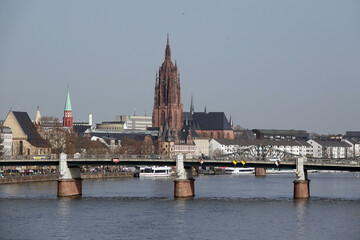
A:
(55, 177)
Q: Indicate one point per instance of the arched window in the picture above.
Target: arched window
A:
(218, 135)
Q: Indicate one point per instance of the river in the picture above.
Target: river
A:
(225, 207)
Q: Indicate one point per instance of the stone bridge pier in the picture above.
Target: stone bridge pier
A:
(302, 183)
(70, 182)
(184, 182)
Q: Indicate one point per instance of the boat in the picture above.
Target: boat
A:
(279, 171)
(155, 171)
(237, 170)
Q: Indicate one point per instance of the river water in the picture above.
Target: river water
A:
(225, 207)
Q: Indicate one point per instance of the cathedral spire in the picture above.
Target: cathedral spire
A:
(192, 105)
(167, 50)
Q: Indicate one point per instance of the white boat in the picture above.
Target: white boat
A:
(237, 170)
(155, 171)
(279, 171)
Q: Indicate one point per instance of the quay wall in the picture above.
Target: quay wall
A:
(55, 177)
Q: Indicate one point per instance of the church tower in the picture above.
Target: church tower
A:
(38, 122)
(167, 99)
(68, 118)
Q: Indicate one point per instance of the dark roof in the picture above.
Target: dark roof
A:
(183, 133)
(80, 129)
(262, 142)
(353, 133)
(332, 143)
(247, 135)
(121, 135)
(207, 121)
(33, 137)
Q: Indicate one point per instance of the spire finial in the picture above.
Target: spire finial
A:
(167, 49)
(192, 105)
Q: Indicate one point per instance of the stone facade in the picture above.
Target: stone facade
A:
(167, 100)
(26, 139)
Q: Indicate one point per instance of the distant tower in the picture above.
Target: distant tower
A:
(37, 121)
(68, 117)
(192, 105)
(167, 98)
(231, 123)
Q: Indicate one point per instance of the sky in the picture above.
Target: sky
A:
(279, 64)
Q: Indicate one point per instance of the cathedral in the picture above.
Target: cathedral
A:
(168, 109)
(168, 113)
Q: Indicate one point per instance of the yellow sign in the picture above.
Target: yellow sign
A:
(234, 162)
(243, 162)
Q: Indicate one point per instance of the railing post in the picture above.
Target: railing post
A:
(301, 183)
(183, 183)
(70, 182)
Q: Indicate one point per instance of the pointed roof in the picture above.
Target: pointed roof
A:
(231, 121)
(37, 119)
(192, 105)
(68, 102)
(167, 49)
(27, 127)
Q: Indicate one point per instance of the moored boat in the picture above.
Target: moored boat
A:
(237, 170)
(155, 171)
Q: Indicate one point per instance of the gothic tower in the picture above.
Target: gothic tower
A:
(167, 98)
(68, 118)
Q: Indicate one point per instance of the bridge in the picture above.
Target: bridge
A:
(259, 157)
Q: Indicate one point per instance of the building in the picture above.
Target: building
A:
(226, 146)
(202, 146)
(132, 142)
(167, 98)
(26, 139)
(184, 143)
(113, 126)
(352, 134)
(6, 137)
(209, 124)
(81, 127)
(132, 122)
(355, 147)
(330, 149)
(68, 117)
(275, 134)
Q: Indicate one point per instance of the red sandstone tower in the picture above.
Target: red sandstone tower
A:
(167, 99)
(68, 118)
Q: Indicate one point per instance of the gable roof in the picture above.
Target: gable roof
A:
(33, 137)
(207, 120)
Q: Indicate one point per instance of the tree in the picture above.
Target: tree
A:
(54, 134)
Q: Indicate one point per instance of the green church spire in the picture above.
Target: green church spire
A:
(68, 102)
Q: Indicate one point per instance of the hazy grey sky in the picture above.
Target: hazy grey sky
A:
(270, 64)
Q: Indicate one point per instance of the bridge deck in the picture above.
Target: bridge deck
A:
(319, 164)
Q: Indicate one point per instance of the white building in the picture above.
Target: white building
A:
(224, 146)
(330, 149)
(132, 122)
(6, 136)
(355, 147)
(201, 146)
